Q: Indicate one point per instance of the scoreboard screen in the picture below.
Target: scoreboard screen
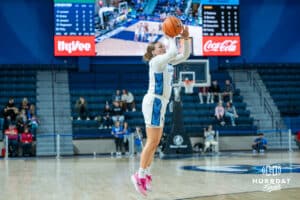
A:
(74, 18)
(221, 21)
(74, 28)
(221, 31)
(125, 28)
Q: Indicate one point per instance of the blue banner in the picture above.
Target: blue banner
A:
(220, 2)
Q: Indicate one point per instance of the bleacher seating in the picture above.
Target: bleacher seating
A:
(18, 84)
(283, 84)
(98, 87)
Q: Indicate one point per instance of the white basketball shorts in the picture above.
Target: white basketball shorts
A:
(154, 110)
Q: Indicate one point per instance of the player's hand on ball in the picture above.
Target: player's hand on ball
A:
(185, 33)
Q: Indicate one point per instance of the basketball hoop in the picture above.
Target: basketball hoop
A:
(188, 86)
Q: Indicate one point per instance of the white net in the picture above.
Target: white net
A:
(188, 86)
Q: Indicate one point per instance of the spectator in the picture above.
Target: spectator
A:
(228, 91)
(31, 111)
(26, 141)
(10, 112)
(297, 139)
(82, 109)
(117, 132)
(117, 96)
(25, 105)
(106, 120)
(204, 91)
(230, 112)
(127, 133)
(12, 134)
(34, 124)
(209, 135)
(128, 100)
(21, 121)
(219, 113)
(215, 91)
(138, 140)
(117, 112)
(260, 144)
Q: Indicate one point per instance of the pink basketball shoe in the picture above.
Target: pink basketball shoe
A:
(149, 182)
(139, 184)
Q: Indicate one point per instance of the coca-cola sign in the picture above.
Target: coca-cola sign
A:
(221, 46)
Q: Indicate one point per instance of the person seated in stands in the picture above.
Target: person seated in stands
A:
(260, 144)
(21, 121)
(117, 132)
(117, 112)
(215, 91)
(31, 111)
(209, 141)
(297, 138)
(25, 105)
(219, 113)
(204, 91)
(106, 119)
(12, 134)
(26, 141)
(33, 124)
(231, 113)
(228, 91)
(128, 100)
(10, 112)
(117, 97)
(82, 109)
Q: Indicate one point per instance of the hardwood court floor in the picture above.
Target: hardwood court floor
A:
(109, 178)
(285, 194)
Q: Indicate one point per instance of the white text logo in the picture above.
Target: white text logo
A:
(225, 46)
(272, 180)
(73, 46)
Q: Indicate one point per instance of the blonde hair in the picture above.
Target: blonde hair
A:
(148, 55)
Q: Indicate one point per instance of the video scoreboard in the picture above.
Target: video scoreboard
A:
(74, 27)
(221, 20)
(221, 30)
(90, 28)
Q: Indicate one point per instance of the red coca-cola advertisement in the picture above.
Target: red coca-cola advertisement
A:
(221, 46)
(74, 46)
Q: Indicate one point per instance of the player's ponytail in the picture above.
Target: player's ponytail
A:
(148, 55)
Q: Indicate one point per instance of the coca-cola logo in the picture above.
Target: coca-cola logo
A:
(73, 46)
(223, 46)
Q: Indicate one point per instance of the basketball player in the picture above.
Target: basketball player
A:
(156, 100)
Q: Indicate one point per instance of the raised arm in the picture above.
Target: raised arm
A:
(186, 49)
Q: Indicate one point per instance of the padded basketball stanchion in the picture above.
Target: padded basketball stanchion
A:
(178, 141)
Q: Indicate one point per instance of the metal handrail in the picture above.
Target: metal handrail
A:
(268, 108)
(263, 100)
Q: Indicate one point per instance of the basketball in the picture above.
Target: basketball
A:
(172, 26)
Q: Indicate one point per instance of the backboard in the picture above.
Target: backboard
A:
(193, 70)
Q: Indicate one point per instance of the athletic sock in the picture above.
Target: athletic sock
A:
(142, 173)
(148, 170)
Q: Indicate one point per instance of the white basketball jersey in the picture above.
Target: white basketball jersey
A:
(160, 82)
(161, 69)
